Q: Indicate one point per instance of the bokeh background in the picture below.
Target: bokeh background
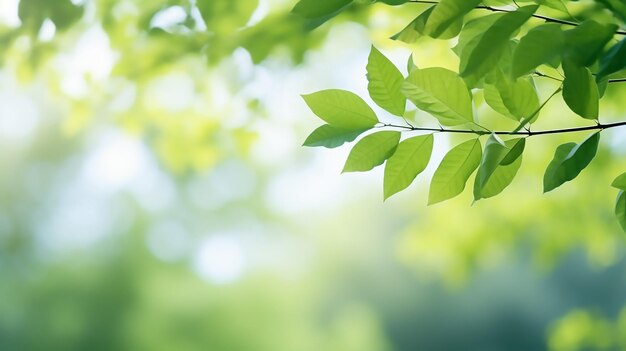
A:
(154, 195)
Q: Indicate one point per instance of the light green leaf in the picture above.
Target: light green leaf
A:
(446, 13)
(416, 28)
(331, 137)
(470, 35)
(580, 90)
(514, 99)
(485, 55)
(539, 46)
(620, 182)
(385, 81)
(493, 177)
(319, 8)
(455, 169)
(441, 93)
(585, 42)
(371, 151)
(613, 60)
(342, 109)
(569, 160)
(409, 160)
(620, 209)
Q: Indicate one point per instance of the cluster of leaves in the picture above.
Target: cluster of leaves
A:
(500, 54)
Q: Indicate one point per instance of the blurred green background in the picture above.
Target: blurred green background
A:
(154, 196)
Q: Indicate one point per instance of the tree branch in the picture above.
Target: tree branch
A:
(494, 9)
(527, 133)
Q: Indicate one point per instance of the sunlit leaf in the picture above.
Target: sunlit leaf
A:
(441, 93)
(409, 160)
(331, 137)
(620, 182)
(455, 169)
(446, 13)
(342, 109)
(372, 151)
(514, 99)
(569, 160)
(385, 81)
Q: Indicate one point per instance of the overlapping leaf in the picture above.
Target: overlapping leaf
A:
(441, 93)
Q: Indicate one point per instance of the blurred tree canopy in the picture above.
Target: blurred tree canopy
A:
(104, 247)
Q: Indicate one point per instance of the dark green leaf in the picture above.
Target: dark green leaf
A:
(515, 152)
(580, 90)
(585, 42)
(569, 160)
(539, 46)
(613, 60)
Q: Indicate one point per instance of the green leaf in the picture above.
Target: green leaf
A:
(371, 151)
(342, 109)
(455, 169)
(516, 150)
(613, 60)
(585, 42)
(580, 90)
(416, 28)
(385, 81)
(441, 93)
(620, 209)
(446, 13)
(485, 55)
(569, 160)
(470, 35)
(319, 8)
(514, 99)
(620, 182)
(394, 2)
(558, 5)
(539, 46)
(493, 177)
(409, 160)
(331, 137)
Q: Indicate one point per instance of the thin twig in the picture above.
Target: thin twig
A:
(527, 133)
(495, 9)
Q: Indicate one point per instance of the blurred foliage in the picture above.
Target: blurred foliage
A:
(131, 119)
